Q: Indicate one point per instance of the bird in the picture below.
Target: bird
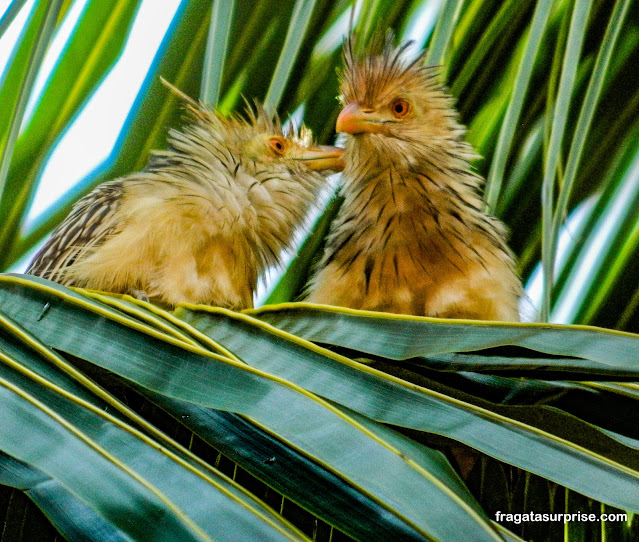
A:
(202, 221)
(411, 236)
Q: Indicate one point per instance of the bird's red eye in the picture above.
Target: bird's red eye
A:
(278, 144)
(399, 108)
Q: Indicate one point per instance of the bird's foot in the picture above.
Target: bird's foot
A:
(139, 294)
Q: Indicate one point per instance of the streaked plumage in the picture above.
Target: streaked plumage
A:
(201, 222)
(411, 236)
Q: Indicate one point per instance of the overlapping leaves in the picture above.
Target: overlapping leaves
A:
(243, 384)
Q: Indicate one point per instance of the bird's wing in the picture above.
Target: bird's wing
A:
(92, 219)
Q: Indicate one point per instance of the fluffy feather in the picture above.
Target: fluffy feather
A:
(411, 236)
(202, 221)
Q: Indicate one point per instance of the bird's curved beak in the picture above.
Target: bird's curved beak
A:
(322, 157)
(353, 120)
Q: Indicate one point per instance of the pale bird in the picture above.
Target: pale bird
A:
(411, 236)
(202, 221)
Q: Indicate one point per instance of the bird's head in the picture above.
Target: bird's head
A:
(394, 107)
(256, 140)
(263, 139)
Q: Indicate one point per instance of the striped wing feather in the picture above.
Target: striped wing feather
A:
(92, 220)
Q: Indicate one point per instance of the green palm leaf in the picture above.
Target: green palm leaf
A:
(193, 375)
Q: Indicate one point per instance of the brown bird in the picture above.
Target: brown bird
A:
(411, 236)
(202, 221)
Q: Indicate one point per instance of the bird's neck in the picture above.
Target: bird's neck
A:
(442, 184)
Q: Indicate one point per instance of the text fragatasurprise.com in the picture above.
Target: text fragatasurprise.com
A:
(563, 518)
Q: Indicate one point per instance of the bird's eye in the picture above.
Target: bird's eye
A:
(277, 144)
(400, 108)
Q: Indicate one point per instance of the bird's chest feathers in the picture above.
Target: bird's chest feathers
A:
(403, 229)
(402, 211)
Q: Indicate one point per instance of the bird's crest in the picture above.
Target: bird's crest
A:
(256, 117)
(385, 65)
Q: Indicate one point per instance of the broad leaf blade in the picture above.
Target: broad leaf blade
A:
(403, 337)
(196, 376)
(74, 519)
(139, 469)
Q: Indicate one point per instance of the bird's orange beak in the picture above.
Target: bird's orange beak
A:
(352, 120)
(322, 157)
